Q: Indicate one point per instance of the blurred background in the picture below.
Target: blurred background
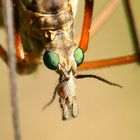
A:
(106, 112)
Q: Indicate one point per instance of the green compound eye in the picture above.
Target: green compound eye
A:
(79, 56)
(51, 60)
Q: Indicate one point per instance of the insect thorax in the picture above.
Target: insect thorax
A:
(41, 22)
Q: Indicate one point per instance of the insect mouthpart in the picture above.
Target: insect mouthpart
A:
(66, 89)
(68, 100)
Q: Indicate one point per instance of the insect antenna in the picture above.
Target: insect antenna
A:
(61, 80)
(80, 76)
(52, 99)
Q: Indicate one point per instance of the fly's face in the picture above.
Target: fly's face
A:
(64, 59)
(63, 55)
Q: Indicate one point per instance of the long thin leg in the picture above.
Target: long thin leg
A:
(86, 24)
(22, 66)
(132, 25)
(26, 63)
(123, 59)
(103, 17)
(8, 18)
(108, 62)
(21, 54)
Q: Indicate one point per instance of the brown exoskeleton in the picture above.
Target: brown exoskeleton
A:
(47, 27)
(44, 33)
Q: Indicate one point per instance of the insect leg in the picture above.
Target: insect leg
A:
(108, 62)
(123, 59)
(86, 24)
(26, 62)
(103, 17)
(20, 53)
(21, 66)
(132, 25)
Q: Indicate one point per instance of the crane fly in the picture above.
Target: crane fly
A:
(44, 34)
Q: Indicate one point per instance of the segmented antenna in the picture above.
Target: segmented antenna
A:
(80, 76)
